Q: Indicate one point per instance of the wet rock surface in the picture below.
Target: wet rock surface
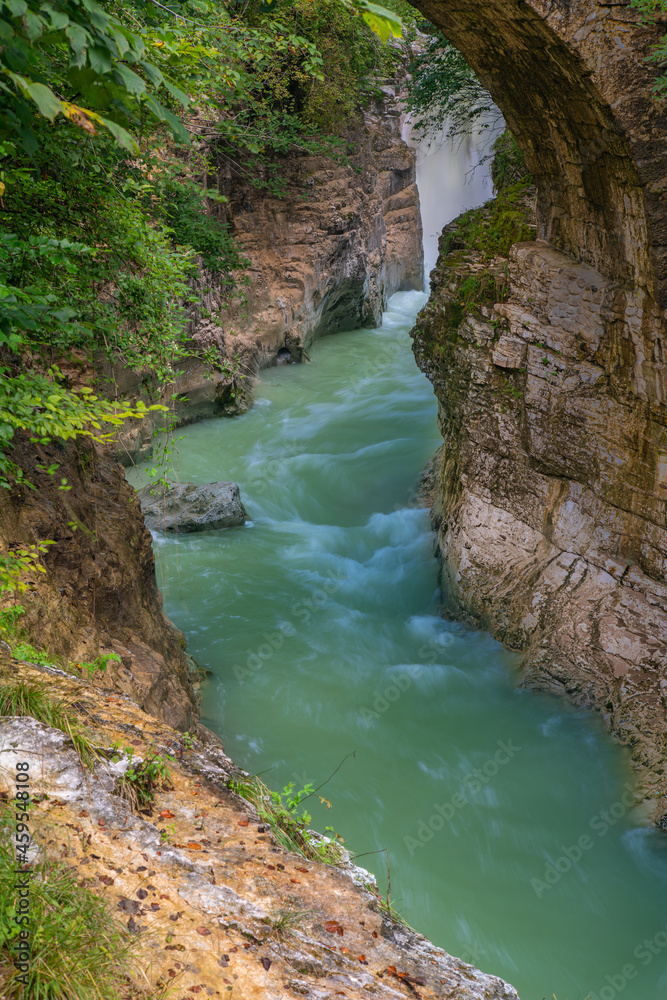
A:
(217, 907)
(186, 507)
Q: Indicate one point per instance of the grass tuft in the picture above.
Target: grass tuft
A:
(21, 698)
(78, 950)
(143, 779)
(289, 829)
(288, 919)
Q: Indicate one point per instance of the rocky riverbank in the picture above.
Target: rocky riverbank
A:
(214, 904)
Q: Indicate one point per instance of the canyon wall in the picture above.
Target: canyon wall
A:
(324, 256)
(98, 592)
(551, 375)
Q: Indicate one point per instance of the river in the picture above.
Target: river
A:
(507, 815)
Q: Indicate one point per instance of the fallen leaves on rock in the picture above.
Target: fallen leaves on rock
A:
(128, 905)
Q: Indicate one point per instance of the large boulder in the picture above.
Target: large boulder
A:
(188, 507)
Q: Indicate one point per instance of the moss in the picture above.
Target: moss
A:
(492, 229)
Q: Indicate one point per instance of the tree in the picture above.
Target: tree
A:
(445, 93)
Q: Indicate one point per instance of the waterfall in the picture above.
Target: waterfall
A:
(450, 179)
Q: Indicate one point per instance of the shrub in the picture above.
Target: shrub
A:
(143, 779)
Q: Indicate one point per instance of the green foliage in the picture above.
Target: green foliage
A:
(289, 830)
(40, 405)
(17, 564)
(143, 779)
(492, 229)
(286, 804)
(9, 620)
(99, 664)
(117, 63)
(76, 50)
(77, 947)
(121, 291)
(184, 210)
(26, 698)
(352, 60)
(446, 92)
(26, 651)
(508, 165)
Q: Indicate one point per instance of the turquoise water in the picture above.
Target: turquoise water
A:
(319, 620)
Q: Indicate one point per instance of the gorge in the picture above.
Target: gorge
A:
(323, 632)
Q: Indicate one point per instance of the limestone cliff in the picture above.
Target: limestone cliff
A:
(324, 256)
(553, 477)
(342, 239)
(550, 506)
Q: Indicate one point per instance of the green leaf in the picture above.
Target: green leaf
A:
(59, 20)
(380, 20)
(44, 98)
(121, 41)
(178, 94)
(6, 31)
(121, 135)
(99, 19)
(163, 115)
(17, 7)
(133, 83)
(99, 59)
(153, 73)
(34, 25)
(78, 38)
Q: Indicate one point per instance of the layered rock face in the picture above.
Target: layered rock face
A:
(99, 593)
(342, 238)
(553, 478)
(324, 256)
